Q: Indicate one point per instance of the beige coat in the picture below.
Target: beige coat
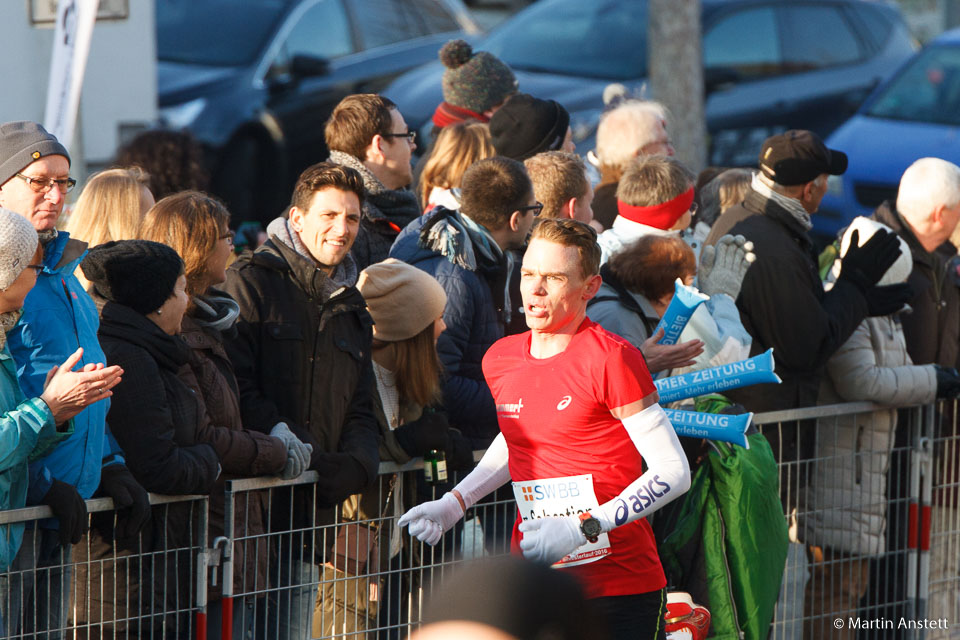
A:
(846, 496)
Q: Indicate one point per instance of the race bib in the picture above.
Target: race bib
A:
(567, 496)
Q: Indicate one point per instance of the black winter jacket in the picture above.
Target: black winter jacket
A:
(153, 415)
(783, 305)
(304, 359)
(932, 330)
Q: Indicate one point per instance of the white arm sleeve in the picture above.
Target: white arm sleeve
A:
(490, 473)
(667, 475)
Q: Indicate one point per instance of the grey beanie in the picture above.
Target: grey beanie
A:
(24, 142)
(18, 243)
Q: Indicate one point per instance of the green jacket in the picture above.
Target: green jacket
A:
(23, 424)
(729, 543)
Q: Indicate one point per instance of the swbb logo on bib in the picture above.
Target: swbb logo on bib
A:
(567, 496)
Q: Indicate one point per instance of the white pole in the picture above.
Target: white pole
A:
(71, 46)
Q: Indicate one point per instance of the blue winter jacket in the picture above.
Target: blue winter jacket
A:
(22, 424)
(473, 324)
(58, 317)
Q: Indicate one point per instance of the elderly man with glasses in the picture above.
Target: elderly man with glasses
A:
(367, 133)
(58, 316)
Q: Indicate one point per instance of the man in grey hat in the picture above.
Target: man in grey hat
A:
(58, 315)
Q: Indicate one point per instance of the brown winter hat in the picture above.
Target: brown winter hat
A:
(402, 299)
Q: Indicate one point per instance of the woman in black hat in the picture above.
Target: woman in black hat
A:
(153, 415)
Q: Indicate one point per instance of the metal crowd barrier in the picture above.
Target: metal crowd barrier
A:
(347, 572)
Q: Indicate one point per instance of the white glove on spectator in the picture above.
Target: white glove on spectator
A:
(298, 453)
(429, 521)
(724, 265)
(549, 540)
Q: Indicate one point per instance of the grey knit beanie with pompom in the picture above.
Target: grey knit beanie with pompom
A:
(474, 81)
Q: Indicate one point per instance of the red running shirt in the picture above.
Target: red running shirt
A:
(555, 416)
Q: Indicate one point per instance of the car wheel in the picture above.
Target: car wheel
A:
(249, 180)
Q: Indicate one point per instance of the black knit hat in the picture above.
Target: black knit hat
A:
(139, 274)
(525, 126)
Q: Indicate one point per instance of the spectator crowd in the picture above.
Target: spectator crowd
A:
(388, 312)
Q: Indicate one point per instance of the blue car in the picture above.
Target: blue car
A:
(916, 114)
(769, 65)
(255, 80)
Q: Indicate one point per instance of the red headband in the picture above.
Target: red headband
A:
(663, 215)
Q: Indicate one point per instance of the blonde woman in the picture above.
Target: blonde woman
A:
(458, 146)
(110, 208)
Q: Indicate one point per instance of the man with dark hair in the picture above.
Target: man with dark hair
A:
(302, 360)
(468, 252)
(577, 409)
(561, 184)
(367, 133)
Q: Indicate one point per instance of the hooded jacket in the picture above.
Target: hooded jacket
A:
(58, 317)
(474, 315)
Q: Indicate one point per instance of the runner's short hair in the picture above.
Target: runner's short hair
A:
(354, 122)
(571, 233)
(325, 175)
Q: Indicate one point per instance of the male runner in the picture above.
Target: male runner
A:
(578, 416)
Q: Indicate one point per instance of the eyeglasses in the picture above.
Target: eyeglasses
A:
(536, 208)
(43, 185)
(411, 136)
(228, 236)
(38, 268)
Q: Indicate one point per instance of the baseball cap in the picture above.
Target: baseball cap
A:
(798, 156)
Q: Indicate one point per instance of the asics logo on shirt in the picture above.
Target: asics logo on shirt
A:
(564, 403)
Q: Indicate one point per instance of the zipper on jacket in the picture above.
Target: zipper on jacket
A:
(726, 566)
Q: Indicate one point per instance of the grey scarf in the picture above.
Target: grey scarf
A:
(7, 321)
(215, 312)
(792, 206)
(343, 275)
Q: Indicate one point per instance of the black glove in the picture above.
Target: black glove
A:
(129, 497)
(429, 431)
(948, 382)
(341, 476)
(70, 509)
(864, 266)
(459, 453)
(882, 301)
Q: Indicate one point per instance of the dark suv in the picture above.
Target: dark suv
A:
(769, 65)
(255, 80)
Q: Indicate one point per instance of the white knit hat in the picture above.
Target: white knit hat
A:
(900, 270)
(18, 243)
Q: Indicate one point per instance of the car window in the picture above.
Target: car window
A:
(434, 18)
(746, 42)
(878, 26)
(928, 90)
(817, 37)
(383, 22)
(184, 28)
(597, 39)
(322, 31)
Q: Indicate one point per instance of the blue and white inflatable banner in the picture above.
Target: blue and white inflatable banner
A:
(756, 370)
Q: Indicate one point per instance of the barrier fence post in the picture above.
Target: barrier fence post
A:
(226, 612)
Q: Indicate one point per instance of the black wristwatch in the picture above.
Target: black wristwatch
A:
(590, 527)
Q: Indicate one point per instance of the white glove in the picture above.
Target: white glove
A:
(549, 540)
(723, 266)
(298, 453)
(430, 520)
